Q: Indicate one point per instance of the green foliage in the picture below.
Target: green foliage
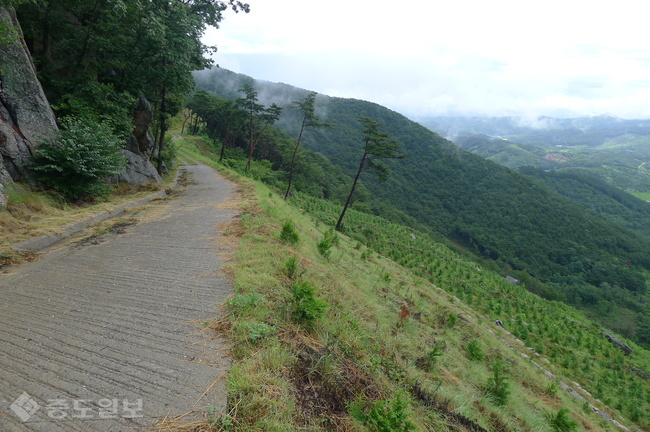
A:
(100, 56)
(257, 330)
(309, 120)
(498, 388)
(289, 234)
(169, 153)
(385, 415)
(78, 158)
(452, 319)
(474, 351)
(243, 302)
(330, 239)
(291, 268)
(433, 356)
(101, 103)
(307, 308)
(561, 421)
(377, 145)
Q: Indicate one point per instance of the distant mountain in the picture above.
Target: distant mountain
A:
(487, 209)
(615, 150)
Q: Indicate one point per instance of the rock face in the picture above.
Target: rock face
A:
(143, 141)
(25, 114)
(3, 197)
(139, 170)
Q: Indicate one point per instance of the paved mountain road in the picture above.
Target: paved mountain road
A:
(107, 337)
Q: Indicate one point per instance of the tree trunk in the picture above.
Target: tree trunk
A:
(250, 144)
(252, 147)
(293, 158)
(354, 186)
(195, 129)
(223, 144)
(161, 143)
(185, 119)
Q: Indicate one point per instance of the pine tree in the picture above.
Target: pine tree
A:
(309, 119)
(376, 145)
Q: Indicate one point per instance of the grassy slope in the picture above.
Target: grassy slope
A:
(491, 211)
(290, 376)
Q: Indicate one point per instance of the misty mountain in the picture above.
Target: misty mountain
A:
(615, 150)
(484, 208)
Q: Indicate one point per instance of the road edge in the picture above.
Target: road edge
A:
(39, 243)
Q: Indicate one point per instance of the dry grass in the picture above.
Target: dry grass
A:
(183, 423)
(31, 213)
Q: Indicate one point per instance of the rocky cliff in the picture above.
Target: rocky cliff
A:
(25, 114)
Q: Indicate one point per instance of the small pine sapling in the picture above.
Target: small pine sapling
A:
(289, 234)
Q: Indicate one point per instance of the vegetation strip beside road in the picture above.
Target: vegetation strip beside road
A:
(329, 334)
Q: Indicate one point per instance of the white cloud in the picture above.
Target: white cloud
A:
(498, 57)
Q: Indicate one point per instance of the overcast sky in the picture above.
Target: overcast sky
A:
(470, 57)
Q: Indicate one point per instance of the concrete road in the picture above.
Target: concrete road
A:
(108, 336)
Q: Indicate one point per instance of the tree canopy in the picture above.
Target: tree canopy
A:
(95, 58)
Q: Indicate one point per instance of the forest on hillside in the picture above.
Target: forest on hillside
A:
(519, 224)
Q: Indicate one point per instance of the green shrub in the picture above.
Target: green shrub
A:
(257, 330)
(330, 239)
(432, 357)
(384, 416)
(289, 234)
(307, 308)
(497, 387)
(78, 158)
(243, 302)
(291, 268)
(452, 319)
(561, 421)
(169, 153)
(474, 350)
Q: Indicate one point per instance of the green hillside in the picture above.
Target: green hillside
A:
(615, 150)
(387, 326)
(609, 201)
(488, 210)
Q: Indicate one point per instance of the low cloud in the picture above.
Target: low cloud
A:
(491, 62)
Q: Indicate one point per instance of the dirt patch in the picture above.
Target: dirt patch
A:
(17, 257)
(100, 233)
(556, 158)
(456, 421)
(325, 383)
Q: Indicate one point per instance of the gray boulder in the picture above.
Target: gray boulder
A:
(512, 280)
(25, 114)
(139, 170)
(618, 344)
